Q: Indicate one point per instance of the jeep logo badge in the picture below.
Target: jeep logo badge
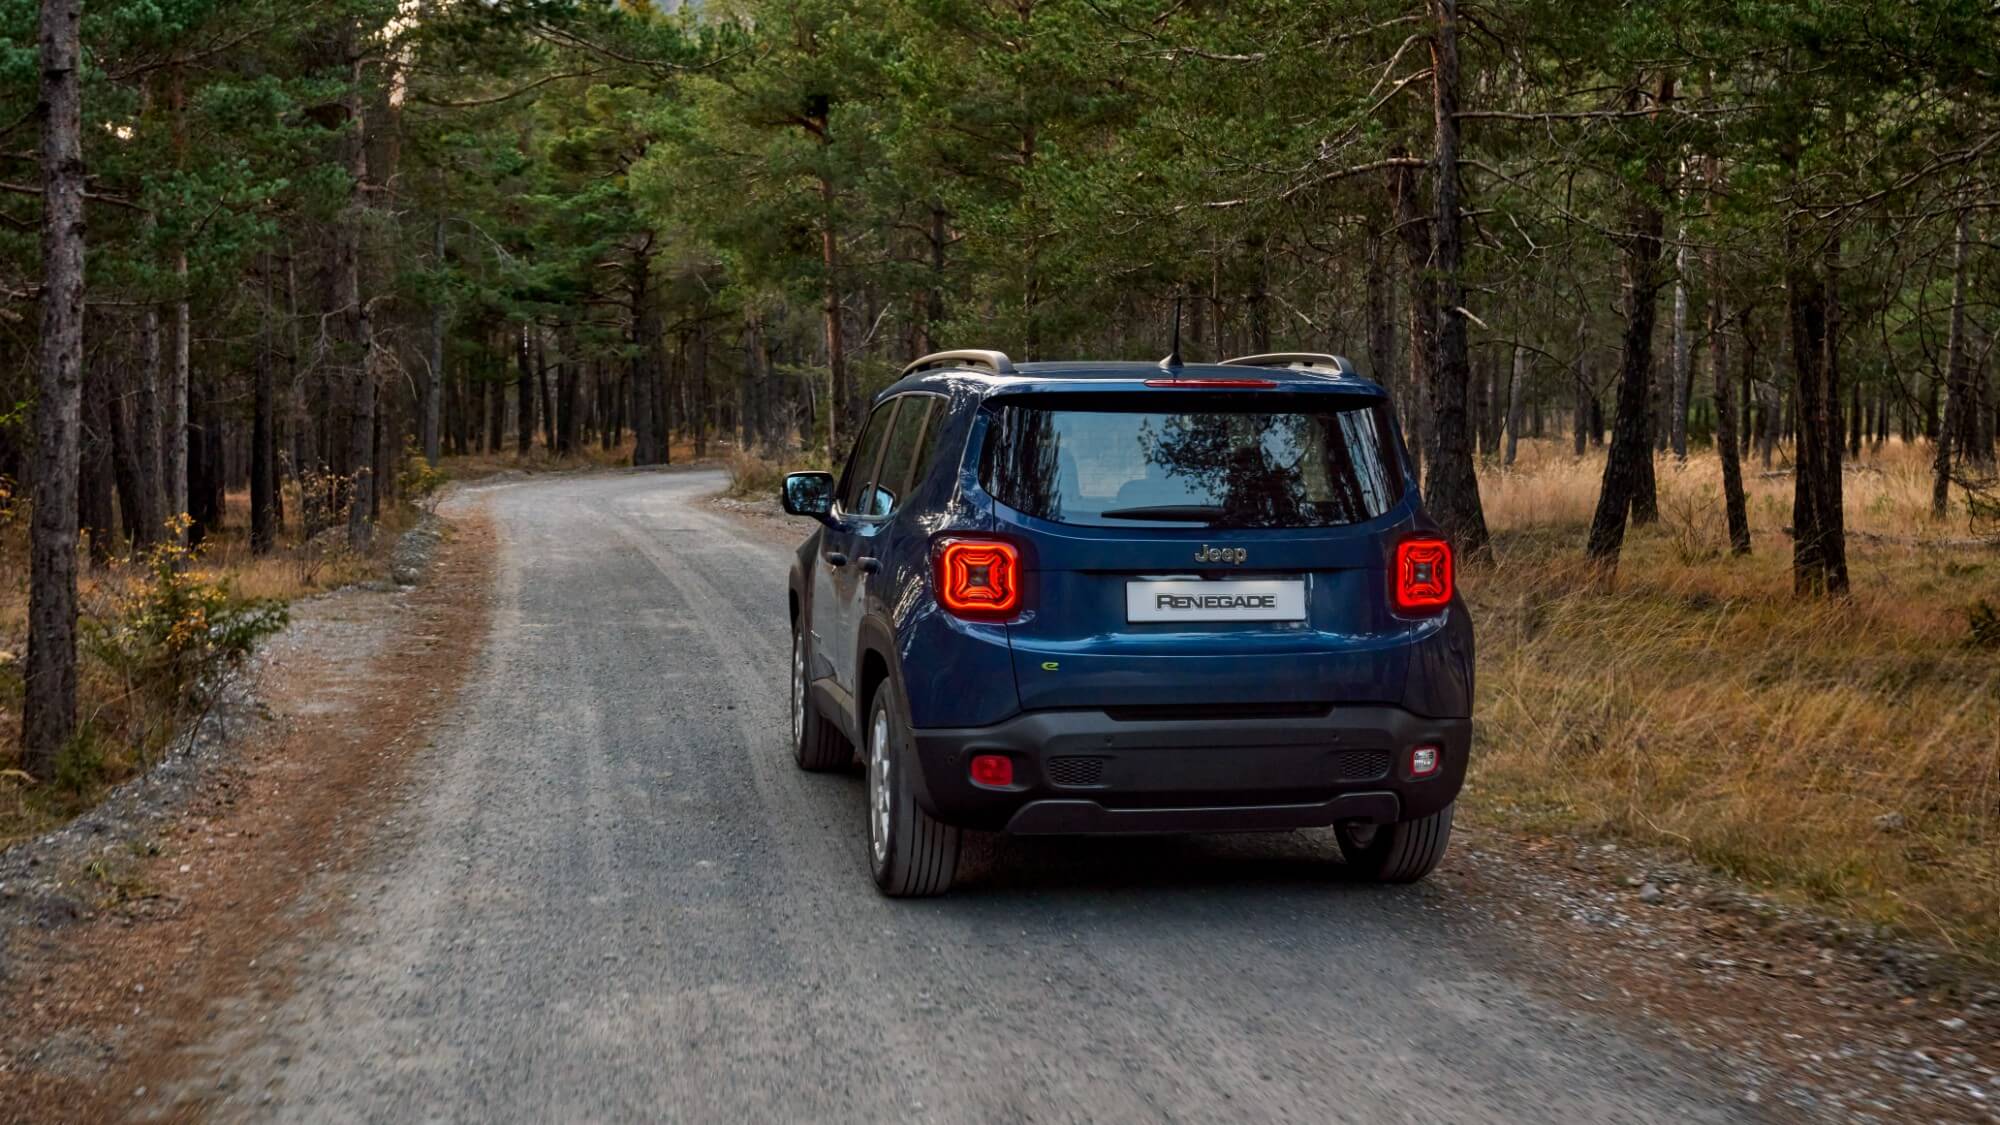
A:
(1231, 555)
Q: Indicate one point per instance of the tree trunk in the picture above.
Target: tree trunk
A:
(48, 718)
(568, 402)
(147, 519)
(1515, 388)
(1381, 317)
(359, 322)
(263, 442)
(1479, 394)
(96, 503)
(934, 298)
(494, 404)
(1453, 492)
(1956, 380)
(1260, 295)
(433, 405)
(1819, 549)
(650, 441)
(840, 417)
(1683, 357)
(1414, 229)
(542, 386)
(1628, 469)
(1586, 399)
(1734, 508)
(698, 377)
(174, 419)
(524, 395)
(205, 468)
(128, 477)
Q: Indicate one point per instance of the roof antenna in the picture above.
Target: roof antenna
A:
(1173, 360)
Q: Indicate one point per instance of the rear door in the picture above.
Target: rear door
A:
(878, 543)
(1202, 552)
(837, 578)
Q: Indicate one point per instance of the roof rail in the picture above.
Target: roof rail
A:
(996, 362)
(1309, 361)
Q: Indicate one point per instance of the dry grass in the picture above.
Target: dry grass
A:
(760, 478)
(1847, 751)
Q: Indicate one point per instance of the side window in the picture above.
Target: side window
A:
(920, 465)
(893, 482)
(861, 464)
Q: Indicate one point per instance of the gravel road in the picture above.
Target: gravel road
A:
(610, 896)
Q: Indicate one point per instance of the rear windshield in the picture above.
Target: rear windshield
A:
(1210, 461)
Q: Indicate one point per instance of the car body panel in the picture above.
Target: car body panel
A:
(1070, 651)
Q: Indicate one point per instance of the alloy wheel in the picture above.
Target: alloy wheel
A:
(798, 688)
(879, 785)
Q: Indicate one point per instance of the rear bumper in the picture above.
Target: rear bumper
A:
(1083, 771)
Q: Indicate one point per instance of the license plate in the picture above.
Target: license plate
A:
(1250, 599)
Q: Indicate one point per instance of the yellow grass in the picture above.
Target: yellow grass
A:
(1845, 751)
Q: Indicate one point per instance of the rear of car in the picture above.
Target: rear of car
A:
(1218, 605)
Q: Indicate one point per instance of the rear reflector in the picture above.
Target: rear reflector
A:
(1425, 761)
(1421, 580)
(978, 577)
(1212, 384)
(996, 770)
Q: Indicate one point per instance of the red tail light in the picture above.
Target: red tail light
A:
(978, 577)
(994, 770)
(1421, 580)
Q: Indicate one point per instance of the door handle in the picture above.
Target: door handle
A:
(835, 558)
(871, 566)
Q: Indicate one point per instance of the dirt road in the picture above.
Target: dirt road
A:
(608, 895)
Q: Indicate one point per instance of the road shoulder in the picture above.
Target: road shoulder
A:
(139, 941)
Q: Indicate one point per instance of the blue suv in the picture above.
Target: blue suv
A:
(1128, 597)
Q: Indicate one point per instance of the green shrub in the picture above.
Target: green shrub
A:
(418, 481)
(175, 626)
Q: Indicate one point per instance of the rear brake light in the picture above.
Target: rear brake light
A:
(1211, 384)
(995, 770)
(978, 577)
(1421, 580)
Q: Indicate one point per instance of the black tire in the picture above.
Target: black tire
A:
(816, 742)
(919, 856)
(1396, 853)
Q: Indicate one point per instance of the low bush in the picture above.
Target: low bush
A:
(759, 478)
(174, 626)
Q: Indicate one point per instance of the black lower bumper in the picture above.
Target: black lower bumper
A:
(1081, 771)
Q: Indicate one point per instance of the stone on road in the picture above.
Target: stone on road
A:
(609, 895)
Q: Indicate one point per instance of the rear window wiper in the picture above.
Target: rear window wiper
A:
(1167, 512)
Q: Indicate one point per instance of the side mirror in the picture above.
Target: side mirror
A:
(809, 494)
